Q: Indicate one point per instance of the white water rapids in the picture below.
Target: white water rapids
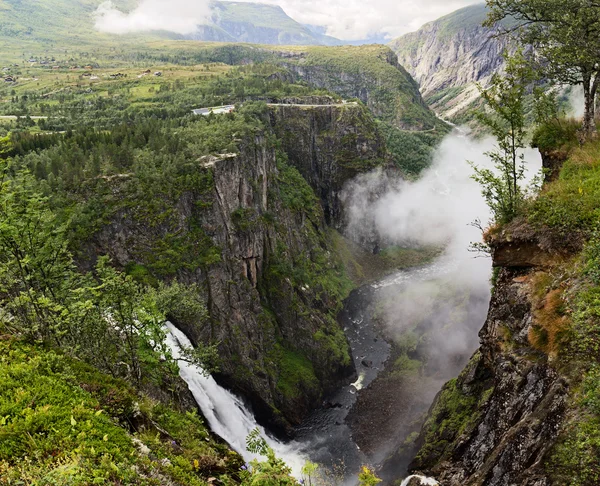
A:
(226, 413)
(424, 480)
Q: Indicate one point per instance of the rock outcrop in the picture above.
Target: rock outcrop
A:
(253, 236)
(371, 74)
(495, 423)
(329, 145)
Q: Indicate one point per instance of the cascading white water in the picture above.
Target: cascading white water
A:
(425, 481)
(226, 413)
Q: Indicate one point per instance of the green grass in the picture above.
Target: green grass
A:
(296, 374)
(62, 422)
(570, 204)
(558, 135)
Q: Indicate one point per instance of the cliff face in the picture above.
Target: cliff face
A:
(371, 74)
(496, 423)
(253, 236)
(446, 57)
(329, 145)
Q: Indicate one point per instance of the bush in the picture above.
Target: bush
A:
(557, 134)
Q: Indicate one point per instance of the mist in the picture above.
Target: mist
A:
(179, 16)
(576, 102)
(432, 314)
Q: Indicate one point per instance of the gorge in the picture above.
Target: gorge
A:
(325, 284)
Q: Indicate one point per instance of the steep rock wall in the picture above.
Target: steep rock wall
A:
(252, 234)
(371, 74)
(446, 57)
(329, 145)
(496, 423)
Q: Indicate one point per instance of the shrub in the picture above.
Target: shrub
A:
(556, 134)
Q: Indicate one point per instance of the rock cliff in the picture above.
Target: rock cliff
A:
(446, 57)
(329, 145)
(371, 74)
(253, 235)
(498, 421)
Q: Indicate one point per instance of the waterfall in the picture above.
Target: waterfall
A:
(226, 413)
(424, 480)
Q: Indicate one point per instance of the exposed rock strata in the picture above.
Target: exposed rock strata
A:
(329, 145)
(273, 320)
(446, 57)
(495, 424)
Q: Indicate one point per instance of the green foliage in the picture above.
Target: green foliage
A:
(45, 414)
(272, 472)
(506, 121)
(334, 346)
(244, 219)
(106, 318)
(556, 135)
(62, 422)
(294, 191)
(574, 457)
(412, 151)
(309, 471)
(565, 36)
(367, 477)
(296, 374)
(5, 147)
(570, 204)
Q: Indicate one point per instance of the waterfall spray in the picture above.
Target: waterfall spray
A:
(425, 481)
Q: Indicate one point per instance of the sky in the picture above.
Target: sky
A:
(358, 19)
(344, 19)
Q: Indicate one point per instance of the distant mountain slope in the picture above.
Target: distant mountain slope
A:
(447, 56)
(58, 20)
(258, 23)
(50, 19)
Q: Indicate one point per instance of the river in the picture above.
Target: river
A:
(328, 437)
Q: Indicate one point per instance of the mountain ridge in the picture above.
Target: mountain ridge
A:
(449, 55)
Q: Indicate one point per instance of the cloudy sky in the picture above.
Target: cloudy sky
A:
(357, 19)
(345, 19)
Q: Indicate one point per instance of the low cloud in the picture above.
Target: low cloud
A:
(432, 313)
(357, 19)
(446, 302)
(179, 16)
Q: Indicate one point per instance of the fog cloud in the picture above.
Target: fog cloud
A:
(439, 207)
(179, 16)
(576, 102)
(432, 313)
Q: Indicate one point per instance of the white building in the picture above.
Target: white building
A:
(217, 110)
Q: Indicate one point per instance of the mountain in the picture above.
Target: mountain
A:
(258, 23)
(320, 31)
(449, 55)
(55, 20)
